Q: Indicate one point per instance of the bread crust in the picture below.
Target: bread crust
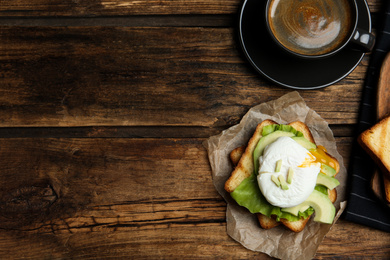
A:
(267, 222)
(386, 185)
(241, 157)
(332, 194)
(376, 142)
(337, 166)
(236, 154)
(295, 226)
(244, 168)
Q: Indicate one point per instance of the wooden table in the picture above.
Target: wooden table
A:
(104, 106)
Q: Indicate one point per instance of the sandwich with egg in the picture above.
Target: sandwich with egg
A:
(283, 177)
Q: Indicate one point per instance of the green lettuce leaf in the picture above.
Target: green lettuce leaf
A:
(286, 128)
(248, 195)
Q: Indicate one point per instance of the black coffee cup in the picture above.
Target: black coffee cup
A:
(316, 29)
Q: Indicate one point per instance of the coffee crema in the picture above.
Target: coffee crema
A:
(311, 27)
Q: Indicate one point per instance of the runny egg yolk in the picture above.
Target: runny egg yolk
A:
(308, 161)
(322, 157)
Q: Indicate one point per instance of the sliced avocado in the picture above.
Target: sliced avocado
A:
(321, 189)
(304, 142)
(323, 207)
(283, 182)
(278, 165)
(329, 182)
(264, 141)
(290, 175)
(294, 210)
(327, 170)
(275, 180)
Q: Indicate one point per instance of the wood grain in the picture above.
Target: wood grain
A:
(128, 197)
(121, 7)
(104, 76)
(117, 7)
(104, 106)
(176, 241)
(82, 172)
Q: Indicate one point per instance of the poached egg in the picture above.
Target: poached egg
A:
(293, 158)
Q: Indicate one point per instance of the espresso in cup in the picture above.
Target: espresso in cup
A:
(311, 27)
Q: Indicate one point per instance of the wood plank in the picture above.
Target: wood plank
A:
(182, 241)
(145, 198)
(118, 132)
(89, 8)
(116, 76)
(125, 21)
(47, 180)
(132, 132)
(116, 7)
(343, 238)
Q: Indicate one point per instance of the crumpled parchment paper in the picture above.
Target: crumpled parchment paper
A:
(243, 226)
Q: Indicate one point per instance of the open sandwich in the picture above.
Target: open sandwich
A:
(266, 181)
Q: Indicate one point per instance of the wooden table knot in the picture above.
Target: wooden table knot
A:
(27, 200)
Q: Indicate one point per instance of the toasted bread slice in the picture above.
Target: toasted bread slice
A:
(296, 226)
(376, 142)
(244, 168)
(380, 185)
(267, 222)
(235, 157)
(337, 164)
(386, 184)
(302, 127)
(332, 194)
(236, 154)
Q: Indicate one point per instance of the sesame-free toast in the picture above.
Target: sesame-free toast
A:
(242, 160)
(244, 168)
(376, 142)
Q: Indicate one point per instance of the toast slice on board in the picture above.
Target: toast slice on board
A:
(380, 185)
(380, 182)
(376, 142)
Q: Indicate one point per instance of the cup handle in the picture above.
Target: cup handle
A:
(363, 40)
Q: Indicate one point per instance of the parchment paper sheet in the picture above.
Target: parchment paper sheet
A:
(241, 224)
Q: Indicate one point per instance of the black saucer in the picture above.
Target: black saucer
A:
(288, 71)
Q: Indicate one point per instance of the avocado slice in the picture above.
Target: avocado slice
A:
(275, 180)
(296, 209)
(264, 141)
(278, 165)
(327, 181)
(304, 142)
(283, 182)
(290, 175)
(323, 207)
(327, 170)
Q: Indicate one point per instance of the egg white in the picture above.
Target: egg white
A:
(300, 160)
